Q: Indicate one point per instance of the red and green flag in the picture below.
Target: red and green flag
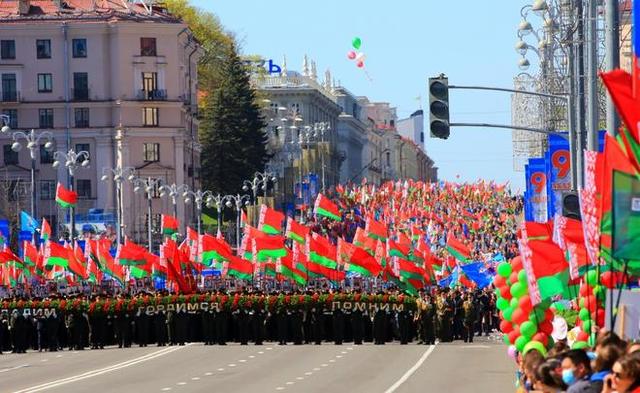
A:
(30, 254)
(358, 260)
(213, 251)
(239, 268)
(56, 255)
(66, 198)
(45, 232)
(296, 231)
(76, 265)
(268, 247)
(131, 254)
(270, 220)
(170, 225)
(322, 252)
(286, 267)
(324, 207)
(458, 249)
(376, 229)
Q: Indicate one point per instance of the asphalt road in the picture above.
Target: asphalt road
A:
(479, 367)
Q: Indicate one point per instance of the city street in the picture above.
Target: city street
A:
(459, 367)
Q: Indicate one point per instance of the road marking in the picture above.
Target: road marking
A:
(332, 361)
(44, 360)
(195, 378)
(299, 378)
(349, 349)
(208, 373)
(181, 383)
(4, 370)
(252, 356)
(58, 356)
(280, 388)
(94, 373)
(231, 365)
(269, 349)
(242, 361)
(316, 369)
(324, 365)
(260, 353)
(289, 383)
(308, 373)
(344, 352)
(221, 369)
(165, 389)
(338, 356)
(412, 370)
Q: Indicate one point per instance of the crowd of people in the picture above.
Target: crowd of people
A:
(611, 366)
(438, 314)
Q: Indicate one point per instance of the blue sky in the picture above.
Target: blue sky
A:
(405, 41)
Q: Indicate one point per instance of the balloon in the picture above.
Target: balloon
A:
(528, 329)
(580, 345)
(505, 338)
(360, 64)
(522, 276)
(508, 314)
(361, 57)
(525, 304)
(502, 303)
(582, 336)
(585, 290)
(356, 42)
(351, 55)
(521, 342)
(506, 327)
(535, 345)
(600, 317)
(599, 292)
(548, 315)
(499, 281)
(505, 292)
(513, 278)
(516, 263)
(592, 340)
(517, 290)
(589, 302)
(513, 336)
(546, 327)
(514, 303)
(541, 337)
(592, 277)
(504, 269)
(519, 316)
(586, 325)
(537, 315)
(584, 314)
(512, 352)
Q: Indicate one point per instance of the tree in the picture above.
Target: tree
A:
(232, 130)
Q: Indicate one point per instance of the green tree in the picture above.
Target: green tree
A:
(232, 130)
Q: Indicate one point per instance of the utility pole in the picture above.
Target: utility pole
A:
(612, 57)
(592, 77)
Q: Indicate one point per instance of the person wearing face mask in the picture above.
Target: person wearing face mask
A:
(576, 372)
(548, 377)
(625, 376)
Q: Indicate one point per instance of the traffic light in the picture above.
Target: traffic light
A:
(439, 107)
(571, 205)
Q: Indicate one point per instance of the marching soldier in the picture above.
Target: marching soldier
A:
(470, 314)
(142, 327)
(357, 326)
(160, 326)
(338, 326)
(258, 321)
(379, 327)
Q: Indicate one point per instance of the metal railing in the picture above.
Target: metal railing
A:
(10, 96)
(152, 95)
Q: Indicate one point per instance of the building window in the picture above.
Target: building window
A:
(80, 86)
(151, 152)
(13, 117)
(43, 49)
(10, 156)
(150, 117)
(7, 49)
(422, 137)
(47, 190)
(295, 108)
(79, 46)
(83, 188)
(9, 88)
(388, 159)
(46, 156)
(82, 117)
(45, 117)
(45, 83)
(82, 147)
(147, 46)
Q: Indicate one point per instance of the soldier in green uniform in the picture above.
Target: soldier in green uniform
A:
(470, 314)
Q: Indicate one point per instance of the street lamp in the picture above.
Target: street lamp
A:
(5, 123)
(216, 200)
(198, 197)
(119, 175)
(72, 161)
(173, 191)
(148, 185)
(237, 202)
(33, 144)
(320, 129)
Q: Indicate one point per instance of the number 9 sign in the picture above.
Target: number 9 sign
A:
(561, 162)
(538, 181)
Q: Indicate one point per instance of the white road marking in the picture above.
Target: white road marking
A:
(338, 356)
(289, 383)
(344, 352)
(316, 369)
(299, 378)
(44, 360)
(242, 361)
(412, 370)
(260, 353)
(165, 389)
(221, 369)
(252, 356)
(269, 349)
(231, 364)
(324, 365)
(207, 374)
(332, 361)
(58, 356)
(308, 373)
(4, 370)
(350, 349)
(279, 388)
(94, 373)
(195, 378)
(181, 383)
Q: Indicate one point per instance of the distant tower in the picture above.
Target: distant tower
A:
(327, 80)
(283, 71)
(314, 71)
(305, 66)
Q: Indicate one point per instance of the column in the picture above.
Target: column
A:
(178, 152)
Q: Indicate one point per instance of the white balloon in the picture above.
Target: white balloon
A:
(361, 57)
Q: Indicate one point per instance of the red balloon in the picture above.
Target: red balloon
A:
(548, 315)
(585, 290)
(542, 337)
(519, 316)
(600, 317)
(513, 336)
(505, 292)
(608, 280)
(582, 336)
(590, 303)
(525, 304)
(516, 263)
(513, 278)
(546, 327)
(499, 281)
(506, 327)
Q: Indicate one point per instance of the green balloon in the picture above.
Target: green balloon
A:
(522, 277)
(599, 292)
(504, 269)
(513, 303)
(586, 325)
(518, 290)
(357, 42)
(521, 342)
(502, 303)
(580, 345)
(584, 314)
(537, 345)
(559, 306)
(507, 313)
(528, 329)
(592, 340)
(505, 338)
(592, 277)
(537, 315)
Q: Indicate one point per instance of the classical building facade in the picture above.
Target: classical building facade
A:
(352, 137)
(413, 128)
(115, 79)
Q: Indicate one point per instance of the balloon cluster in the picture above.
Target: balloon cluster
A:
(355, 53)
(524, 325)
(591, 308)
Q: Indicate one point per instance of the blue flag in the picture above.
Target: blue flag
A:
(477, 273)
(28, 223)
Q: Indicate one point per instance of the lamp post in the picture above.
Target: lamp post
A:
(5, 123)
(33, 144)
(198, 197)
(148, 185)
(72, 161)
(236, 202)
(319, 130)
(173, 191)
(119, 175)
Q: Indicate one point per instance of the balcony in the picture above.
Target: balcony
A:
(152, 95)
(80, 94)
(10, 96)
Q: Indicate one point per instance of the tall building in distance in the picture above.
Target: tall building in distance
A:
(114, 78)
(413, 128)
